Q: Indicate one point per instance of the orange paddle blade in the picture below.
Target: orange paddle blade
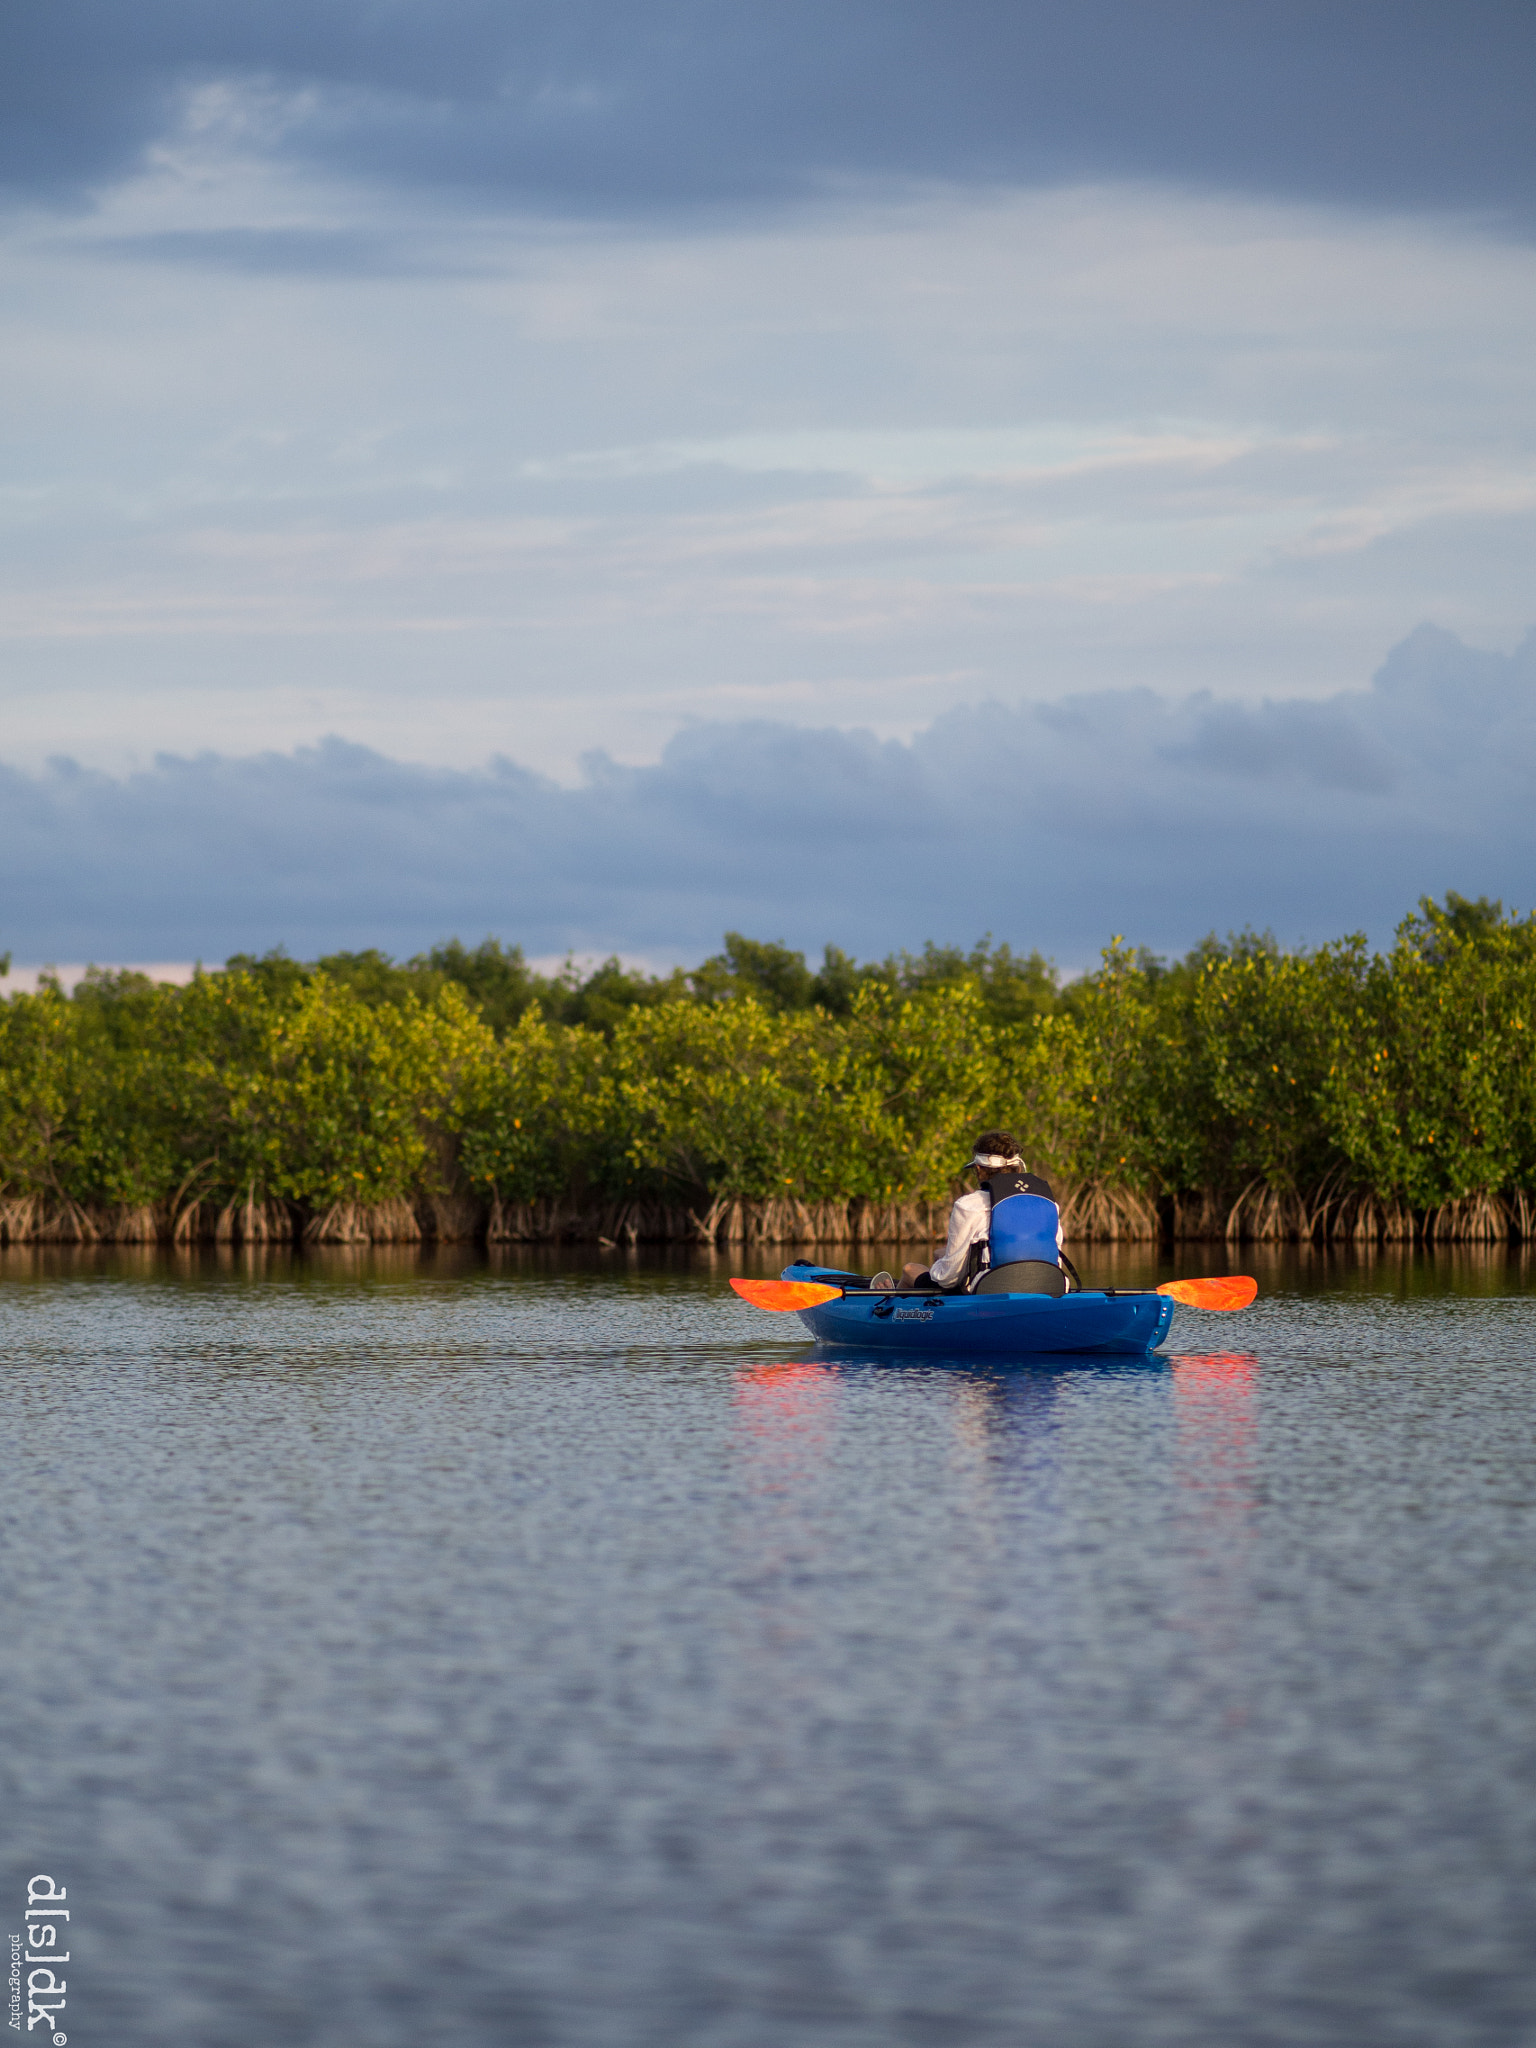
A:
(782, 1294)
(1230, 1290)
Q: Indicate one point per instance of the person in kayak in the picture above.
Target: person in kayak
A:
(969, 1253)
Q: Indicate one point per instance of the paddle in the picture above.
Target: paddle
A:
(1228, 1290)
(1231, 1290)
(782, 1294)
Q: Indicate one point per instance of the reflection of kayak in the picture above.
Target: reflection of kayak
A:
(994, 1325)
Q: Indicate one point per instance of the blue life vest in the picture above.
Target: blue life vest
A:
(1024, 1221)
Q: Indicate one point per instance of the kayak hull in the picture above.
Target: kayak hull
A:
(988, 1325)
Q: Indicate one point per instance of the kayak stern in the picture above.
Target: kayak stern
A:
(988, 1325)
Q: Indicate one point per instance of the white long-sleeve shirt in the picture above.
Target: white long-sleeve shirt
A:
(970, 1222)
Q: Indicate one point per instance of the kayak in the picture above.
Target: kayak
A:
(1131, 1321)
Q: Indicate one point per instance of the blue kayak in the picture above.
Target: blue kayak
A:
(983, 1325)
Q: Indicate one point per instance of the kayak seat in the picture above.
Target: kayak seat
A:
(1022, 1276)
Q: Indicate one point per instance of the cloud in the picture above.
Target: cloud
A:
(1050, 825)
(850, 470)
(1320, 744)
(618, 108)
(331, 252)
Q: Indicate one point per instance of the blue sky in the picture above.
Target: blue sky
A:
(730, 419)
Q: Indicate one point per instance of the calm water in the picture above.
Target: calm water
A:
(399, 1652)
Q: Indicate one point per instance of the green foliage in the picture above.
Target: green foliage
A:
(124, 1112)
(1411, 1077)
(737, 1099)
(608, 994)
(326, 1110)
(766, 972)
(717, 1098)
(496, 979)
(528, 1112)
(912, 1073)
(1435, 1098)
(1015, 989)
(39, 1101)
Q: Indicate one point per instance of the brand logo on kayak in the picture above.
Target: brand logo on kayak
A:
(913, 1315)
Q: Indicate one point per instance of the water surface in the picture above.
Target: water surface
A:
(401, 1649)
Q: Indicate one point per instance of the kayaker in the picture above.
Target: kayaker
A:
(997, 1162)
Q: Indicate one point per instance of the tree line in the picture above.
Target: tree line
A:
(1243, 1090)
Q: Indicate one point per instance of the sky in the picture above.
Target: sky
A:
(603, 474)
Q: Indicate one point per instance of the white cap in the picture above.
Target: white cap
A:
(994, 1162)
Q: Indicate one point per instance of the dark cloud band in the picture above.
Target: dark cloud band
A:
(611, 107)
(1050, 825)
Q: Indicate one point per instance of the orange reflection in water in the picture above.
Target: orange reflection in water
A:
(784, 1418)
(1215, 1402)
(1216, 1463)
(781, 1383)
